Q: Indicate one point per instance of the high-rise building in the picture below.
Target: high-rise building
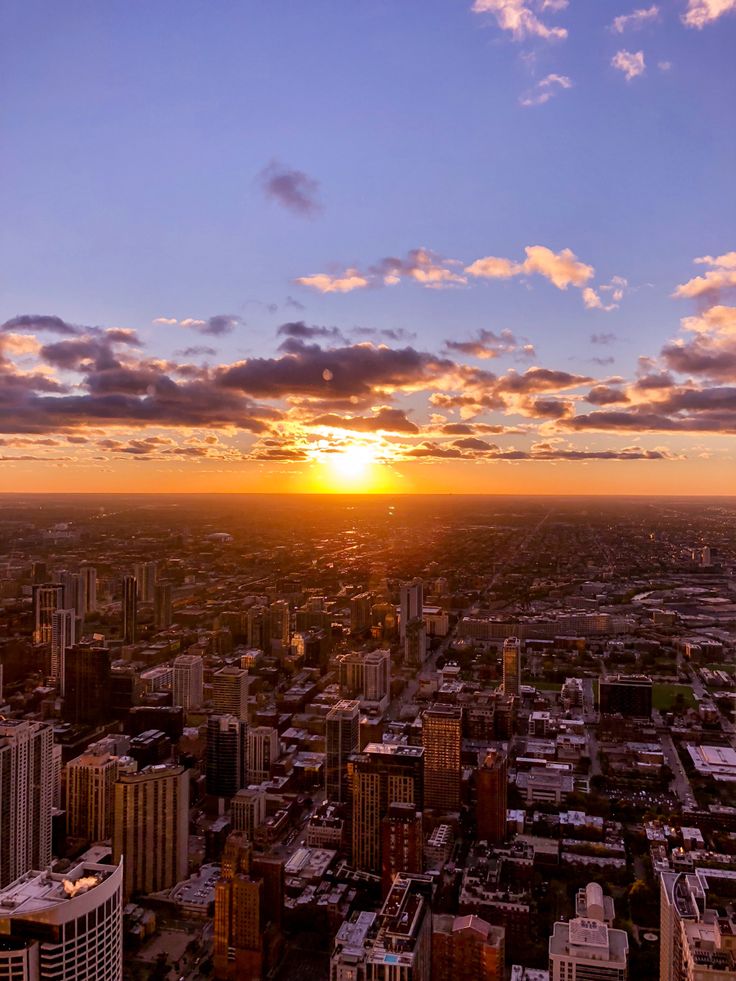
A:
(361, 612)
(130, 609)
(90, 794)
(393, 945)
(280, 625)
(188, 684)
(512, 666)
(411, 604)
(75, 592)
(86, 685)
(26, 797)
(366, 675)
(89, 573)
(415, 643)
(402, 843)
(151, 827)
(442, 741)
(227, 755)
(264, 748)
(492, 796)
(248, 901)
(146, 574)
(58, 926)
(230, 692)
(259, 628)
(63, 636)
(467, 948)
(162, 605)
(696, 926)
(342, 739)
(248, 810)
(586, 948)
(46, 599)
(383, 774)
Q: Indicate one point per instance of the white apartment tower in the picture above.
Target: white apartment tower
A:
(188, 683)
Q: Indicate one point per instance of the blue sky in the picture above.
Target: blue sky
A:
(136, 135)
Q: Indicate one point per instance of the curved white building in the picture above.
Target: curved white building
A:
(63, 926)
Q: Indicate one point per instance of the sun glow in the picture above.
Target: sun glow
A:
(352, 468)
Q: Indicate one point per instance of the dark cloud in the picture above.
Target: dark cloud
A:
(294, 304)
(605, 395)
(34, 323)
(304, 331)
(221, 323)
(196, 351)
(540, 380)
(293, 189)
(603, 338)
(712, 357)
(488, 344)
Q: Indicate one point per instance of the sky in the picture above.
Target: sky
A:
(402, 246)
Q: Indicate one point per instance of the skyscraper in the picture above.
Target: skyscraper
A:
(86, 685)
(146, 574)
(63, 925)
(586, 947)
(442, 741)
(89, 574)
(342, 739)
(130, 609)
(75, 592)
(63, 636)
(162, 606)
(230, 692)
(227, 755)
(46, 599)
(264, 748)
(402, 843)
(383, 774)
(280, 624)
(411, 604)
(188, 685)
(492, 796)
(151, 827)
(259, 628)
(26, 797)
(415, 643)
(512, 666)
(361, 616)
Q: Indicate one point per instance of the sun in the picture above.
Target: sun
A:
(353, 468)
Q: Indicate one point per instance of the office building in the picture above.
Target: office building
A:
(442, 741)
(162, 606)
(697, 928)
(248, 900)
(90, 793)
(280, 625)
(411, 604)
(65, 926)
(230, 692)
(415, 643)
(26, 797)
(46, 599)
(63, 636)
(248, 810)
(259, 628)
(467, 948)
(264, 748)
(146, 575)
(86, 685)
(342, 739)
(130, 609)
(402, 843)
(366, 675)
(151, 828)
(628, 695)
(492, 796)
(586, 948)
(512, 666)
(227, 755)
(188, 681)
(383, 774)
(89, 574)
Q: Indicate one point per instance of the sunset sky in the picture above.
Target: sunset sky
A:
(368, 245)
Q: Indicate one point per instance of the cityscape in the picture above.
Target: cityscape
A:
(400, 738)
(368, 490)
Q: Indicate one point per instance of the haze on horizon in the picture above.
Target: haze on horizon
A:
(463, 248)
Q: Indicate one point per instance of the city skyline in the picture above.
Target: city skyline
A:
(479, 247)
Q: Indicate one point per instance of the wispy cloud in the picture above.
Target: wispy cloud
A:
(221, 323)
(719, 278)
(521, 18)
(702, 12)
(635, 19)
(546, 89)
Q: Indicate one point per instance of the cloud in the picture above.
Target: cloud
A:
(562, 269)
(635, 19)
(519, 18)
(602, 338)
(196, 351)
(491, 345)
(40, 322)
(545, 89)
(304, 331)
(631, 63)
(711, 352)
(293, 189)
(344, 282)
(721, 277)
(605, 395)
(593, 301)
(420, 265)
(221, 323)
(702, 12)
(385, 419)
